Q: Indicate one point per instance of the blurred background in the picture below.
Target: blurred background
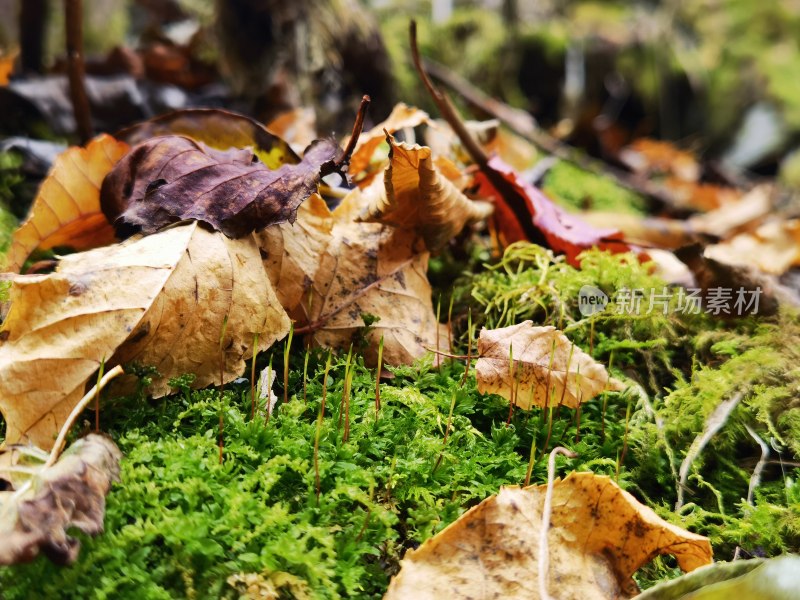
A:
(719, 78)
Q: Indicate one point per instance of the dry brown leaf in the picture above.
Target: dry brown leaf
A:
(174, 178)
(772, 248)
(328, 271)
(291, 251)
(66, 212)
(46, 502)
(599, 536)
(159, 300)
(401, 117)
(548, 368)
(415, 196)
(745, 211)
(372, 269)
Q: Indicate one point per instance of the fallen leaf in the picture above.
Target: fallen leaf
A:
(748, 209)
(66, 211)
(219, 129)
(525, 213)
(291, 252)
(6, 67)
(373, 269)
(415, 196)
(44, 503)
(772, 248)
(173, 178)
(160, 300)
(297, 127)
(775, 578)
(548, 369)
(599, 536)
(401, 117)
(650, 157)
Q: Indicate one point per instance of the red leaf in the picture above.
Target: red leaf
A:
(519, 201)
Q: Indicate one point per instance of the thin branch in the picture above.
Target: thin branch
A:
(79, 407)
(77, 88)
(340, 164)
(544, 556)
(514, 200)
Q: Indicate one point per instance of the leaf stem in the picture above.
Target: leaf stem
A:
(79, 407)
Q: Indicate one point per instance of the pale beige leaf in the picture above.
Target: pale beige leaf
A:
(42, 505)
(291, 251)
(401, 117)
(773, 248)
(599, 536)
(66, 211)
(373, 269)
(570, 380)
(415, 196)
(740, 213)
(159, 300)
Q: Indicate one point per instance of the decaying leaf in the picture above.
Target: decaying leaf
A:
(173, 178)
(219, 129)
(297, 127)
(548, 369)
(291, 252)
(272, 585)
(374, 270)
(773, 248)
(44, 503)
(161, 300)
(599, 536)
(331, 274)
(414, 195)
(66, 212)
(401, 117)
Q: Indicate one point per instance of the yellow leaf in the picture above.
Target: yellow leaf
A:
(548, 369)
(160, 300)
(415, 196)
(66, 212)
(599, 536)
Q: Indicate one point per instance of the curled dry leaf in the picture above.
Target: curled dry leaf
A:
(401, 117)
(219, 129)
(331, 273)
(548, 369)
(173, 178)
(599, 536)
(160, 300)
(415, 196)
(45, 502)
(66, 212)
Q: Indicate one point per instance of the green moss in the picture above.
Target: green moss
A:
(577, 189)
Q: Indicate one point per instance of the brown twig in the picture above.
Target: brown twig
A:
(515, 201)
(73, 12)
(339, 165)
(525, 125)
